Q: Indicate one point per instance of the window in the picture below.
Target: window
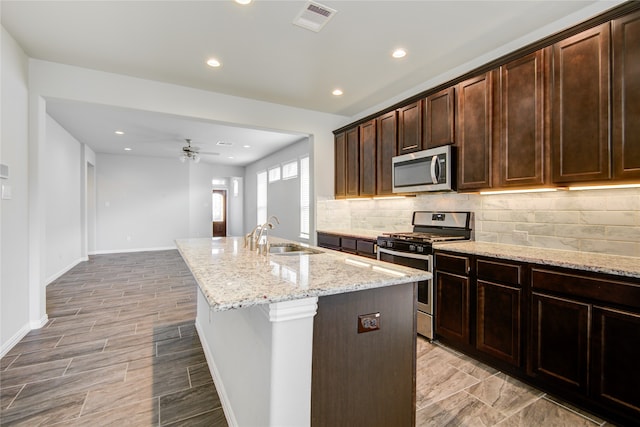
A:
(235, 187)
(274, 174)
(217, 207)
(304, 197)
(290, 170)
(262, 197)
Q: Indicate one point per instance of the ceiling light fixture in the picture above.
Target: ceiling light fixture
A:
(243, 2)
(399, 53)
(337, 92)
(213, 62)
(127, 149)
(119, 132)
(190, 155)
(246, 146)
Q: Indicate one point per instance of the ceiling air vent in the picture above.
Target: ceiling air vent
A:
(314, 16)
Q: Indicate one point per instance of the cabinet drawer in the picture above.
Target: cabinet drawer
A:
(366, 247)
(349, 245)
(586, 287)
(499, 272)
(452, 263)
(330, 241)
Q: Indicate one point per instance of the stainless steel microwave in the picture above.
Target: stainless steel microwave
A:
(427, 170)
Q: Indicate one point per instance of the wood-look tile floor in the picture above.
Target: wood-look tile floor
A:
(120, 348)
(455, 390)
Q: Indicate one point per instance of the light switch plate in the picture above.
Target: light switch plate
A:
(6, 192)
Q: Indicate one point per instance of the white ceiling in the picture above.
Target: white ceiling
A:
(264, 55)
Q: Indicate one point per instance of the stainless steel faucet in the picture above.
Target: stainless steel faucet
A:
(251, 239)
(263, 245)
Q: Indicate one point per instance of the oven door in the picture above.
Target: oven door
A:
(419, 261)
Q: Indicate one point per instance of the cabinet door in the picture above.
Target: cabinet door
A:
(387, 147)
(498, 321)
(340, 171)
(521, 151)
(473, 133)
(626, 97)
(353, 164)
(452, 307)
(438, 119)
(560, 341)
(580, 107)
(616, 352)
(368, 158)
(410, 128)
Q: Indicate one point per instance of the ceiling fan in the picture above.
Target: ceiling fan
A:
(193, 153)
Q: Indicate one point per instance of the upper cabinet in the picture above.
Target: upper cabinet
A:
(353, 162)
(438, 123)
(367, 158)
(580, 107)
(340, 164)
(387, 147)
(520, 125)
(626, 97)
(410, 128)
(474, 132)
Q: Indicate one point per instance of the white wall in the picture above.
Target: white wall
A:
(14, 213)
(283, 196)
(64, 195)
(142, 202)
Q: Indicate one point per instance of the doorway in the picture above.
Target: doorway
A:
(219, 213)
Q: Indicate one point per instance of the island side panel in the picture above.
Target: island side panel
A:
(365, 379)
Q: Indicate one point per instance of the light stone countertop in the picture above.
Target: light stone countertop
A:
(587, 261)
(231, 276)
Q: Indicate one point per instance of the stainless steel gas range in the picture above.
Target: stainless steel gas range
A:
(415, 249)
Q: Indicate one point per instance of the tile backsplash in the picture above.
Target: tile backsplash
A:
(602, 221)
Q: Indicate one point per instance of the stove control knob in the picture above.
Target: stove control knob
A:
(382, 243)
(389, 244)
(420, 249)
(412, 248)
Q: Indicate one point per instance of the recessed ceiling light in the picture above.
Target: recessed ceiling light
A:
(399, 53)
(230, 157)
(337, 92)
(246, 146)
(119, 132)
(127, 149)
(213, 62)
(243, 2)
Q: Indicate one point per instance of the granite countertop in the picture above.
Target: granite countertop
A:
(587, 261)
(231, 276)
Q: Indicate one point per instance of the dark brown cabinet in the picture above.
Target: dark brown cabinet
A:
(498, 310)
(626, 97)
(340, 172)
(580, 107)
(474, 132)
(367, 158)
(438, 123)
(346, 243)
(560, 341)
(352, 163)
(522, 159)
(453, 288)
(410, 128)
(386, 149)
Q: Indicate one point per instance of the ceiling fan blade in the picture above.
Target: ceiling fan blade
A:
(211, 153)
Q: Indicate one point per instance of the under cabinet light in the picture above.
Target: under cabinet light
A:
(388, 197)
(604, 187)
(529, 190)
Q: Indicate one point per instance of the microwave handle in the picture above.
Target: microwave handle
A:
(434, 169)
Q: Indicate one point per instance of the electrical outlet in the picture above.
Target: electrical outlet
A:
(368, 322)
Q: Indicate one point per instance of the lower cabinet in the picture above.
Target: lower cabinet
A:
(572, 333)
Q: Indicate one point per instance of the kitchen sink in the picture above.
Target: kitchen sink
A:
(291, 249)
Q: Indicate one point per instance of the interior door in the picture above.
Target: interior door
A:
(219, 213)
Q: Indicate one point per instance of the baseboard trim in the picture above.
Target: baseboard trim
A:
(121, 251)
(55, 276)
(224, 400)
(22, 332)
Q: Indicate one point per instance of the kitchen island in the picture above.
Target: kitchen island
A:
(306, 337)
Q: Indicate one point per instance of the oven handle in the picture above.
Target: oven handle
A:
(403, 254)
